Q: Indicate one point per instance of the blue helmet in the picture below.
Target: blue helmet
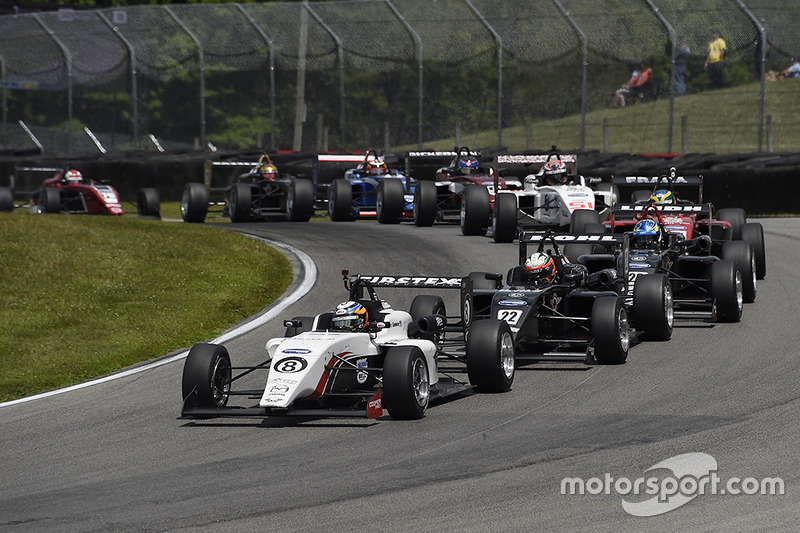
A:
(467, 165)
(663, 196)
(646, 234)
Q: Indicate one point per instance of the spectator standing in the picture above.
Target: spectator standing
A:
(681, 66)
(715, 60)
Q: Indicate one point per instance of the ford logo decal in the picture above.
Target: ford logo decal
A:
(639, 265)
(512, 302)
(296, 350)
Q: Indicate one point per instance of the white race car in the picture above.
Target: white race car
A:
(356, 361)
(555, 197)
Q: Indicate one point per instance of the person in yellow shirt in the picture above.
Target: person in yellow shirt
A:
(715, 60)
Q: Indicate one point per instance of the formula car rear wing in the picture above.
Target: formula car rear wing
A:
(526, 164)
(429, 161)
(669, 181)
(209, 166)
(542, 239)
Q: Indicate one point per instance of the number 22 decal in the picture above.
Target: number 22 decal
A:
(510, 316)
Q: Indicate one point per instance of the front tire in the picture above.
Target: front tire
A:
(6, 199)
(726, 291)
(742, 253)
(390, 200)
(490, 356)
(610, 330)
(340, 201)
(241, 201)
(194, 203)
(476, 209)
(504, 221)
(148, 203)
(735, 216)
(406, 383)
(300, 200)
(653, 306)
(50, 200)
(425, 203)
(206, 376)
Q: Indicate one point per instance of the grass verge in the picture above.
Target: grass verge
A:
(83, 296)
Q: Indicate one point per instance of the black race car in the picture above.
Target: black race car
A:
(259, 194)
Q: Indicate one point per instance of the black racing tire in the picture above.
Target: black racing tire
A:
(306, 324)
(299, 200)
(753, 232)
(194, 203)
(574, 250)
(593, 228)
(340, 200)
(50, 200)
(6, 199)
(390, 200)
(504, 221)
(206, 376)
(406, 383)
(726, 291)
(640, 196)
(742, 253)
(490, 356)
(241, 202)
(653, 309)
(735, 216)
(425, 203)
(580, 217)
(476, 208)
(610, 330)
(148, 204)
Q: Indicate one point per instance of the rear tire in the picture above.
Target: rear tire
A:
(425, 203)
(6, 199)
(206, 376)
(580, 218)
(406, 383)
(490, 356)
(299, 200)
(726, 291)
(148, 203)
(742, 253)
(340, 200)
(424, 305)
(735, 216)
(241, 202)
(653, 306)
(753, 233)
(390, 200)
(194, 203)
(50, 200)
(476, 208)
(610, 330)
(504, 221)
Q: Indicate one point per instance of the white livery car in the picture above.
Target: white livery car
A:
(553, 197)
(322, 367)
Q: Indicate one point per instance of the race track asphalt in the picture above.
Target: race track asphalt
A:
(115, 456)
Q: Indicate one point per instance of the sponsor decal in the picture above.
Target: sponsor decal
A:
(511, 316)
(569, 237)
(413, 281)
(639, 265)
(375, 405)
(296, 350)
(528, 159)
(638, 258)
(361, 376)
(635, 208)
(516, 295)
(652, 180)
(290, 365)
(283, 380)
(515, 303)
(578, 195)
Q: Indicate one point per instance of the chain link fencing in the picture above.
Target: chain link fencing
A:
(389, 74)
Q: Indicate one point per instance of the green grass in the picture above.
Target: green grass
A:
(722, 121)
(83, 296)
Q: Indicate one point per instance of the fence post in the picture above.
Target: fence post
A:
(684, 134)
(68, 58)
(585, 49)
(201, 59)
(499, 41)
(673, 39)
(271, 46)
(420, 90)
(134, 90)
(769, 134)
(340, 50)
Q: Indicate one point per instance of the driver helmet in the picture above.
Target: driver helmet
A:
(467, 165)
(73, 176)
(349, 316)
(555, 172)
(540, 267)
(663, 197)
(646, 234)
(376, 167)
(268, 171)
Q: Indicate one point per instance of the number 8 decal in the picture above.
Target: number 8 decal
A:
(290, 365)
